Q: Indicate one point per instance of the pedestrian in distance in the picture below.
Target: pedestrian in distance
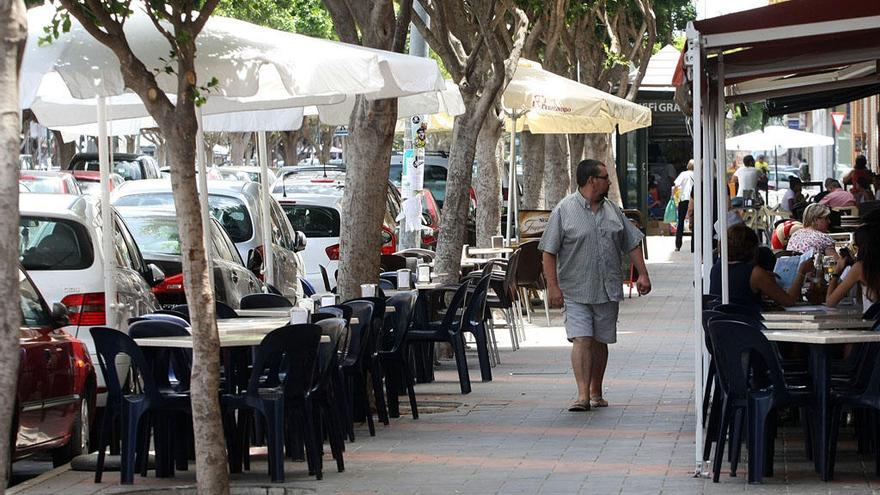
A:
(584, 245)
(684, 185)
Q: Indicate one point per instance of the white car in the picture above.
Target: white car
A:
(236, 205)
(311, 200)
(60, 245)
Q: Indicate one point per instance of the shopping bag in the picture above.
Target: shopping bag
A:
(670, 215)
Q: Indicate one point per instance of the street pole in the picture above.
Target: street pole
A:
(408, 239)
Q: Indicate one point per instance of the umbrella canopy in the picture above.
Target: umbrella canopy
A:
(553, 104)
(775, 136)
(448, 101)
(250, 62)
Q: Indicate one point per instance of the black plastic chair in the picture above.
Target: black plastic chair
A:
(371, 359)
(307, 287)
(182, 316)
(271, 388)
(109, 344)
(735, 342)
(449, 330)
(326, 404)
(391, 262)
(325, 278)
(355, 364)
(160, 317)
(261, 301)
(859, 396)
(222, 310)
(739, 309)
(165, 362)
(473, 321)
(394, 356)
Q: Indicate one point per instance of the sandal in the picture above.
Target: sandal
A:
(598, 402)
(579, 406)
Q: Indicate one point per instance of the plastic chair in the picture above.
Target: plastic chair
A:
(221, 310)
(354, 363)
(325, 389)
(183, 316)
(473, 321)
(371, 360)
(109, 344)
(448, 330)
(394, 356)
(530, 276)
(862, 394)
(325, 278)
(307, 287)
(505, 299)
(391, 262)
(164, 317)
(260, 301)
(271, 389)
(165, 362)
(739, 309)
(733, 342)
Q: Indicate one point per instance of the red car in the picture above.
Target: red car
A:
(49, 181)
(56, 383)
(90, 181)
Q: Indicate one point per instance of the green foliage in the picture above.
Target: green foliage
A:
(747, 118)
(298, 16)
(672, 18)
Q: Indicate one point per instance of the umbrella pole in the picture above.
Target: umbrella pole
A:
(106, 217)
(203, 194)
(511, 181)
(776, 166)
(268, 260)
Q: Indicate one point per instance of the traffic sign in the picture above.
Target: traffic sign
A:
(341, 131)
(837, 118)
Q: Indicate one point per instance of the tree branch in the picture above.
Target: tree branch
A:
(343, 21)
(404, 15)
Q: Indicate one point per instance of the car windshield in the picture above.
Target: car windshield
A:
(52, 185)
(313, 221)
(307, 187)
(154, 235)
(53, 244)
(128, 170)
(230, 212)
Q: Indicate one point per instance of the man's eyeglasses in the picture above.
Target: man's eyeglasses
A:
(603, 177)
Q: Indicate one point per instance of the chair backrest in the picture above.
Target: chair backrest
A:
(378, 321)
(737, 344)
(474, 313)
(359, 334)
(182, 316)
(739, 309)
(391, 262)
(298, 345)
(328, 356)
(307, 287)
(163, 317)
(347, 312)
(326, 312)
(224, 311)
(109, 344)
(182, 309)
(259, 300)
(529, 271)
(510, 281)
(400, 320)
(164, 360)
(422, 254)
(455, 305)
(872, 312)
(325, 278)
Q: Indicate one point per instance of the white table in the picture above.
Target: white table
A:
(822, 324)
(488, 251)
(819, 342)
(809, 313)
(265, 312)
(233, 332)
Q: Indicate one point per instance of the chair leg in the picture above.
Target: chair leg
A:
(378, 393)
(411, 392)
(464, 379)
(736, 441)
(707, 394)
(131, 415)
(511, 328)
(313, 448)
(719, 442)
(712, 429)
(483, 353)
(392, 391)
(547, 307)
(528, 302)
(758, 412)
(103, 441)
(362, 390)
(274, 414)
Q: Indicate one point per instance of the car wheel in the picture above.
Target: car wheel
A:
(79, 437)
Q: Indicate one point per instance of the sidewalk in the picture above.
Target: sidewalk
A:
(515, 436)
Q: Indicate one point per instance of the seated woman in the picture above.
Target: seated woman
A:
(865, 268)
(814, 235)
(747, 281)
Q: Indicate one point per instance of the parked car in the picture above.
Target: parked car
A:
(50, 182)
(311, 201)
(252, 173)
(90, 182)
(26, 162)
(236, 205)
(158, 238)
(60, 245)
(55, 396)
(436, 165)
(129, 166)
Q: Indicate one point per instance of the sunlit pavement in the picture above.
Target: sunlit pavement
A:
(514, 435)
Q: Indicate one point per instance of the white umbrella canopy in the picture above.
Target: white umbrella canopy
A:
(552, 104)
(775, 136)
(249, 61)
(448, 101)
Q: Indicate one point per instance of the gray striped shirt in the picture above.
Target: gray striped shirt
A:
(589, 248)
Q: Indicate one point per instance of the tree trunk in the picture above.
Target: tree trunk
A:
(238, 143)
(63, 151)
(557, 175)
(366, 184)
(576, 149)
(291, 145)
(13, 33)
(598, 147)
(327, 143)
(458, 178)
(488, 180)
(131, 144)
(533, 170)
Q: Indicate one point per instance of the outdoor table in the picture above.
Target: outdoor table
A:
(488, 251)
(265, 312)
(819, 342)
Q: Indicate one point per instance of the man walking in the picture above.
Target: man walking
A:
(584, 243)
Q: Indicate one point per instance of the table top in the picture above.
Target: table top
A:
(488, 251)
(797, 313)
(235, 339)
(475, 261)
(841, 323)
(824, 337)
(265, 312)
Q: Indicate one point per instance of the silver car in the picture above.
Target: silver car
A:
(236, 205)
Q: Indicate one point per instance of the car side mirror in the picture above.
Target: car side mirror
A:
(300, 243)
(254, 261)
(155, 275)
(59, 315)
(426, 219)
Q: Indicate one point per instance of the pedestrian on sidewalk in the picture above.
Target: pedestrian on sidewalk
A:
(684, 185)
(583, 245)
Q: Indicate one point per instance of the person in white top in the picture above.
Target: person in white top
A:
(684, 184)
(792, 195)
(746, 178)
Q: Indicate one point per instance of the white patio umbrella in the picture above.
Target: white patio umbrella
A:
(546, 103)
(776, 137)
(257, 69)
